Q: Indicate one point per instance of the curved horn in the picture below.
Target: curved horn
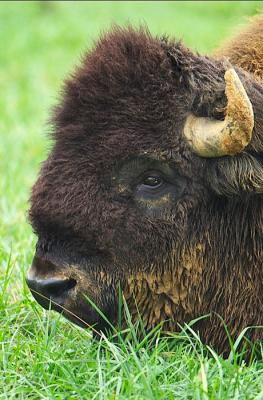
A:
(212, 138)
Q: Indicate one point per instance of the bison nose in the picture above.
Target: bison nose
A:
(48, 284)
(52, 287)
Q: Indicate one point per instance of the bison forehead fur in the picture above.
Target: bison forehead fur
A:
(122, 198)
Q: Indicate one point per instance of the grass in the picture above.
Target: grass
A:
(43, 356)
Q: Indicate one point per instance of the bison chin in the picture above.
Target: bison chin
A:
(72, 294)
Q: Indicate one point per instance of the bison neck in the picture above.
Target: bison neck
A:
(219, 273)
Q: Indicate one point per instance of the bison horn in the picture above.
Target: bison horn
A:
(213, 138)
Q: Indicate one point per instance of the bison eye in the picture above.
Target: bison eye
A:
(151, 184)
(152, 181)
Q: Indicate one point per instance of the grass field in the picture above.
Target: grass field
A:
(42, 356)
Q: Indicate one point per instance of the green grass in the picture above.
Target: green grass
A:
(42, 356)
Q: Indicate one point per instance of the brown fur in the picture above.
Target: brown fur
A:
(195, 250)
(245, 50)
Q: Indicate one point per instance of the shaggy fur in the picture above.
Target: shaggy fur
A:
(195, 249)
(246, 50)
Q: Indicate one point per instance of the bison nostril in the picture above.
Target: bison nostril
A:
(57, 287)
(51, 287)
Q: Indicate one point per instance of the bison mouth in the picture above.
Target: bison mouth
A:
(68, 296)
(82, 315)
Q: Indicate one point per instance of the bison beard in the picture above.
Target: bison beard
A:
(126, 197)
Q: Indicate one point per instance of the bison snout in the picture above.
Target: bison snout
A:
(47, 285)
(51, 288)
(66, 289)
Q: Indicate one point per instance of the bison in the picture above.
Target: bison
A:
(154, 184)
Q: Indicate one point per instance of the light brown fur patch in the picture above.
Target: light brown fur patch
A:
(165, 296)
(245, 50)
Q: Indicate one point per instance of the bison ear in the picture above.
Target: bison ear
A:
(237, 175)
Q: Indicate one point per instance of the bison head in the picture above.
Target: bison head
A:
(144, 188)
